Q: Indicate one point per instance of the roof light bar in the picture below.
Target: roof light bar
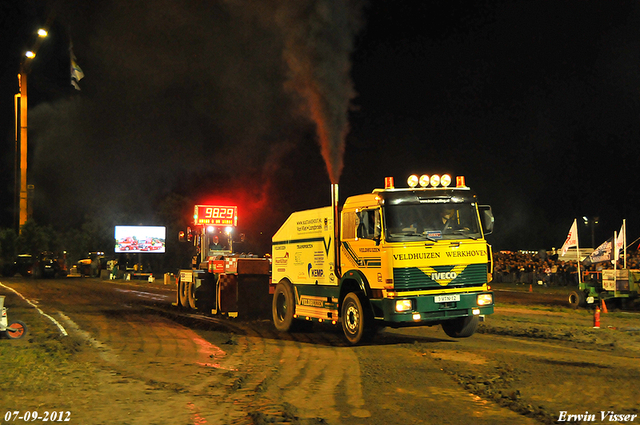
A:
(425, 180)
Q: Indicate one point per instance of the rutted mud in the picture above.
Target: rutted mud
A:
(137, 364)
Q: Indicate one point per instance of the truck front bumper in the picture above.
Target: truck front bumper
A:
(427, 309)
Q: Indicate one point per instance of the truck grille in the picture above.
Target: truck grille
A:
(416, 279)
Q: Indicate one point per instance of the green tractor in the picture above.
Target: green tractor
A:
(618, 286)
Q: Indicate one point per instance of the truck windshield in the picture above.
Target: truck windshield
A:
(410, 222)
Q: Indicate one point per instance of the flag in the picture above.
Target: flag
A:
(602, 253)
(621, 240)
(76, 71)
(572, 239)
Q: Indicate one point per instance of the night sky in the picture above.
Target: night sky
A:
(537, 104)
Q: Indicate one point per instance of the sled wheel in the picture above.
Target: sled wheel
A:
(19, 329)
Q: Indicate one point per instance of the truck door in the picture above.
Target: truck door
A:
(361, 250)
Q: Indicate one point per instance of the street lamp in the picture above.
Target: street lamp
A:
(591, 222)
(22, 81)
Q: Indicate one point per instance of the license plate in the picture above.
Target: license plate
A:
(446, 298)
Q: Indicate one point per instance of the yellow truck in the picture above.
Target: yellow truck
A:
(393, 257)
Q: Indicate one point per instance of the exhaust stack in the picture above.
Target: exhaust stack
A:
(336, 228)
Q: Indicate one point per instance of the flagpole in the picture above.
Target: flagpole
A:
(615, 261)
(578, 255)
(624, 238)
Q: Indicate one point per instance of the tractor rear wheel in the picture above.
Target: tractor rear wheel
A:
(183, 293)
(191, 295)
(577, 299)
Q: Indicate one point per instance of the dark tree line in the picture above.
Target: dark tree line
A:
(96, 234)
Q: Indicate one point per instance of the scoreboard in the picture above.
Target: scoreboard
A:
(215, 215)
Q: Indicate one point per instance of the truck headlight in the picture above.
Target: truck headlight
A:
(403, 305)
(485, 299)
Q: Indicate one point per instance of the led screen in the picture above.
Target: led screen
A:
(145, 239)
(214, 215)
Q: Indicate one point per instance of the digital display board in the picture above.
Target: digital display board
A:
(214, 215)
(140, 239)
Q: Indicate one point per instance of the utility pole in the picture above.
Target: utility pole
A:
(22, 78)
(24, 206)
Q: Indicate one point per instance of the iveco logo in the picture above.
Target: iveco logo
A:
(444, 276)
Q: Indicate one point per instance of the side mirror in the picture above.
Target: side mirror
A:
(181, 236)
(189, 234)
(486, 218)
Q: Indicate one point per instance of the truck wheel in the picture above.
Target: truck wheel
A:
(283, 307)
(182, 293)
(357, 322)
(462, 327)
(19, 329)
(577, 299)
(191, 295)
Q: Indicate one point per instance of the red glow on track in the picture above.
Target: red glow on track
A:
(195, 416)
(210, 351)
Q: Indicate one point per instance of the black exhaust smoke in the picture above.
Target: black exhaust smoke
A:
(318, 42)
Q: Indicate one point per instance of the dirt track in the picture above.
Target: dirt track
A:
(136, 365)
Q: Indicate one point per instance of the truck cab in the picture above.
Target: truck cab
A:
(420, 254)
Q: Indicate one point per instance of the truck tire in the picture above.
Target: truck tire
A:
(462, 327)
(182, 293)
(577, 299)
(283, 306)
(357, 320)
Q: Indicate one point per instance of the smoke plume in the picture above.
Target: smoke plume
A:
(173, 90)
(318, 40)
(318, 43)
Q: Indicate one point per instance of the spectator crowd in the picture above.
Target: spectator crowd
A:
(545, 268)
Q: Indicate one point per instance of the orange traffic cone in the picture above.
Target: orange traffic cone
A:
(596, 318)
(604, 307)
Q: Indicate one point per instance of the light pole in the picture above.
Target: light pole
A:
(591, 222)
(22, 95)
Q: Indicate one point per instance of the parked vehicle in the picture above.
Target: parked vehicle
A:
(92, 265)
(47, 266)
(23, 264)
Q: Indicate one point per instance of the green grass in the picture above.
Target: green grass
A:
(39, 360)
